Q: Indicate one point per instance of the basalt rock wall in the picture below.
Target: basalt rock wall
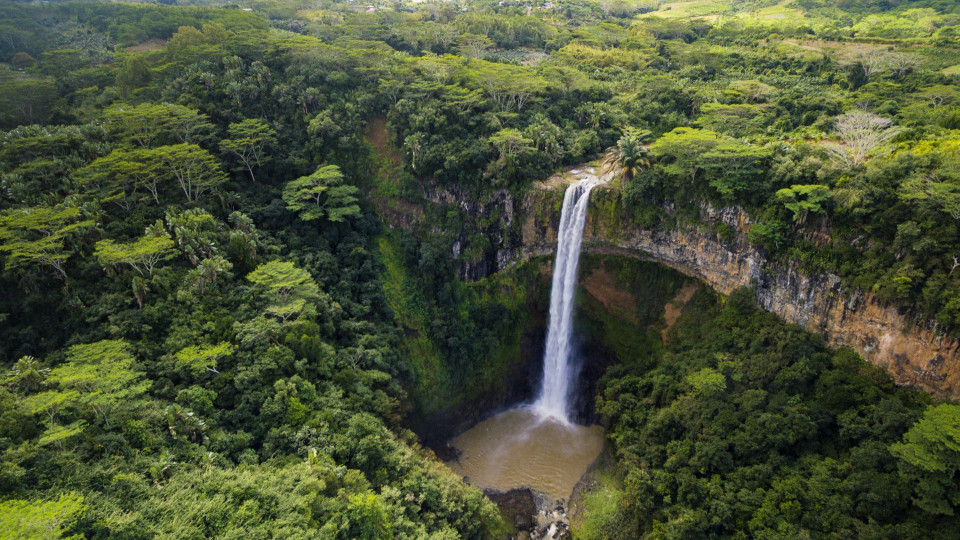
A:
(915, 355)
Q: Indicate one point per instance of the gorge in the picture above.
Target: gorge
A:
(915, 354)
(480, 270)
(530, 230)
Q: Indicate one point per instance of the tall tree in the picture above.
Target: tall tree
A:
(142, 254)
(149, 123)
(292, 291)
(27, 101)
(509, 86)
(565, 79)
(40, 235)
(322, 194)
(118, 176)
(134, 73)
(736, 166)
(102, 373)
(247, 141)
(628, 157)
(939, 95)
(679, 150)
(474, 45)
(510, 142)
(735, 120)
(200, 358)
(804, 199)
(941, 192)
(862, 133)
(929, 459)
(96, 378)
(195, 170)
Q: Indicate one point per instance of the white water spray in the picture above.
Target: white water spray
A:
(553, 401)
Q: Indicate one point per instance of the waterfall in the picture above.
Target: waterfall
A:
(558, 372)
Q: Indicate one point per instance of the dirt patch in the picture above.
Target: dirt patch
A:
(378, 134)
(602, 285)
(149, 45)
(673, 309)
(385, 193)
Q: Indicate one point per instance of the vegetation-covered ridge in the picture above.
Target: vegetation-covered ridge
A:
(205, 330)
(746, 427)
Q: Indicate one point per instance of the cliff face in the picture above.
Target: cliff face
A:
(515, 230)
(914, 355)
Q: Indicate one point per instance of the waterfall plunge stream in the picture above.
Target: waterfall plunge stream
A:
(558, 370)
(536, 445)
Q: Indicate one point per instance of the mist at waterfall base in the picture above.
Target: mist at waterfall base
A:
(537, 445)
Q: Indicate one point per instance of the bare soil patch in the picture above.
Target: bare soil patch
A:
(673, 309)
(378, 134)
(602, 285)
(153, 44)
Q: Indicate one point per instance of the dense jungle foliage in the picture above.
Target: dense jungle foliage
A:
(730, 424)
(746, 427)
(207, 331)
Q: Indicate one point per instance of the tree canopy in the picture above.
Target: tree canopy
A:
(291, 291)
(142, 254)
(322, 195)
(256, 260)
(40, 235)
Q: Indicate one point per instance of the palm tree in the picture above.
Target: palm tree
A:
(29, 373)
(628, 157)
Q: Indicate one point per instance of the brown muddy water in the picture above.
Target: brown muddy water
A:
(519, 448)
